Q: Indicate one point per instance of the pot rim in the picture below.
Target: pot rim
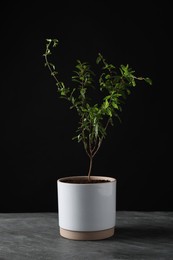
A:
(109, 179)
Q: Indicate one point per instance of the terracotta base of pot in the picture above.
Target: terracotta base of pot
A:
(94, 235)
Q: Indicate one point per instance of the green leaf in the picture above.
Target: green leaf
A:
(48, 40)
(52, 65)
(148, 80)
(54, 73)
(96, 130)
(115, 105)
(98, 59)
(133, 82)
(79, 137)
(108, 76)
(109, 112)
(55, 42)
(106, 104)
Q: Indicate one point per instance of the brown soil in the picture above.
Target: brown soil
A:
(85, 181)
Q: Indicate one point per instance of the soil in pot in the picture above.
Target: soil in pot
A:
(84, 181)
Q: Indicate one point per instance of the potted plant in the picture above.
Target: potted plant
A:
(87, 204)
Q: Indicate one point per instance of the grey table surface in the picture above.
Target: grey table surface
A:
(138, 235)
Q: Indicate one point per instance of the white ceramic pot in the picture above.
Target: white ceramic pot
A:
(87, 211)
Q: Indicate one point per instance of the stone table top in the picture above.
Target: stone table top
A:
(138, 235)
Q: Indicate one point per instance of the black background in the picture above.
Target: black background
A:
(38, 127)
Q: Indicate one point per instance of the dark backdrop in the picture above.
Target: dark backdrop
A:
(37, 127)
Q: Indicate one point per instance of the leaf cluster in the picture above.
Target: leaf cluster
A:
(115, 85)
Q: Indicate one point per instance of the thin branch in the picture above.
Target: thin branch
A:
(86, 149)
(48, 64)
(98, 147)
(101, 139)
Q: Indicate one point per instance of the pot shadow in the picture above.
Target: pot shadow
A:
(143, 233)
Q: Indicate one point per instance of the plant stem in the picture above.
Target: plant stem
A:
(92, 152)
(90, 167)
